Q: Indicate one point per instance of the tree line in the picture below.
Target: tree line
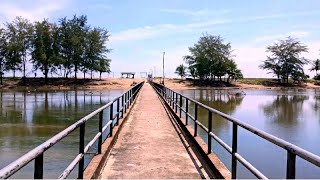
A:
(211, 59)
(69, 46)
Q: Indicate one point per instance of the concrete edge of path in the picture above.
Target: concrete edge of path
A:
(214, 166)
(95, 166)
(188, 145)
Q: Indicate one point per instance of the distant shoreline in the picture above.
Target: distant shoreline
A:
(179, 84)
(56, 84)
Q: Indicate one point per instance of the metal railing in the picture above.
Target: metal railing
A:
(171, 97)
(37, 153)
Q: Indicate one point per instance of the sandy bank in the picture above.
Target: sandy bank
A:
(183, 84)
(69, 84)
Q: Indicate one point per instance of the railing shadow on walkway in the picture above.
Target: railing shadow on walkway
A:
(175, 101)
(203, 170)
(122, 103)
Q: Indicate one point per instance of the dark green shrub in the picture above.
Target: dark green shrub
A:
(317, 77)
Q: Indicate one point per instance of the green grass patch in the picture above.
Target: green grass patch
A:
(258, 81)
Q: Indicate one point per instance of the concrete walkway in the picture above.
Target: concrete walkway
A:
(148, 145)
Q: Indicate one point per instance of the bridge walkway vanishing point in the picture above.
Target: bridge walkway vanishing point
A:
(149, 145)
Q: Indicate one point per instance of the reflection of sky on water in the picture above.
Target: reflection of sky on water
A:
(29, 119)
(293, 115)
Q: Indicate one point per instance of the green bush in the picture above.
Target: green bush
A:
(317, 77)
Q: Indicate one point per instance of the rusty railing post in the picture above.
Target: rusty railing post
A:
(176, 102)
(122, 111)
(100, 130)
(209, 130)
(195, 119)
(125, 102)
(173, 101)
(171, 98)
(291, 165)
(234, 150)
(187, 110)
(180, 104)
(111, 119)
(130, 97)
(129, 92)
(81, 151)
(166, 94)
(162, 91)
(38, 167)
(118, 111)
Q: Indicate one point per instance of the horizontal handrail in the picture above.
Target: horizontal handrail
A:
(16, 165)
(71, 166)
(172, 97)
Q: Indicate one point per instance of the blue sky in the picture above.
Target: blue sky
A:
(142, 29)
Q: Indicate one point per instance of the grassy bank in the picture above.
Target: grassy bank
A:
(273, 82)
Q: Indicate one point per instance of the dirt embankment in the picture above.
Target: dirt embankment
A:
(31, 84)
(187, 84)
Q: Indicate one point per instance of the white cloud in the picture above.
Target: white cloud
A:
(294, 34)
(36, 10)
(161, 29)
(197, 14)
(146, 32)
(285, 15)
(187, 12)
(99, 7)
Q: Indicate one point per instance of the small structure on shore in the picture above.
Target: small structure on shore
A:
(128, 74)
(150, 78)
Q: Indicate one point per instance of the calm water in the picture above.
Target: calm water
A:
(293, 115)
(28, 119)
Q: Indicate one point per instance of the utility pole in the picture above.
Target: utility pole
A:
(163, 68)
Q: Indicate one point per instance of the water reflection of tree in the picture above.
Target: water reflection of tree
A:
(11, 110)
(285, 109)
(63, 109)
(220, 100)
(48, 112)
(316, 105)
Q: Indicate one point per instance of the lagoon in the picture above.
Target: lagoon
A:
(292, 114)
(29, 119)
